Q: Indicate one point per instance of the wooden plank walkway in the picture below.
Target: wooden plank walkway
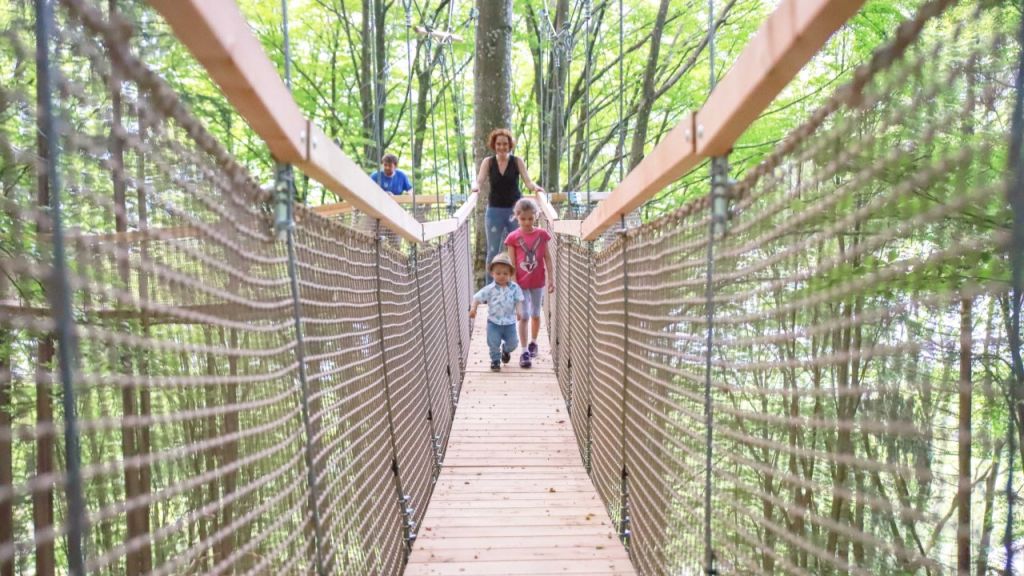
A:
(513, 496)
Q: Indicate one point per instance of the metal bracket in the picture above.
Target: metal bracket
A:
(284, 195)
(721, 187)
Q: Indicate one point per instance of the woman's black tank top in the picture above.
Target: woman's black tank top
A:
(504, 187)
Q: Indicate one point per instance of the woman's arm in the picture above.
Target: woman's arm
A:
(526, 176)
(481, 175)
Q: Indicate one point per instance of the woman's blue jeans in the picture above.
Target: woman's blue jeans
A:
(498, 223)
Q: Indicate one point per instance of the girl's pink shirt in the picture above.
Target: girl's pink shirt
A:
(530, 250)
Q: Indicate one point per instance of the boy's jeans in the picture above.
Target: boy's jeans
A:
(496, 334)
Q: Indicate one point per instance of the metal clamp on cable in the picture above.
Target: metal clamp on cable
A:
(721, 186)
(283, 187)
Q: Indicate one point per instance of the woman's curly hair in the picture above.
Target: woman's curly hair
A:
(501, 132)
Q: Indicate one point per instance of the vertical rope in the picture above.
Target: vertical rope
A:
(460, 139)
(59, 294)
(1016, 199)
(591, 345)
(286, 181)
(403, 500)
(719, 170)
(447, 133)
(433, 138)
(587, 9)
(624, 531)
(541, 96)
(285, 195)
(622, 91)
(449, 241)
(434, 437)
(407, 4)
(378, 91)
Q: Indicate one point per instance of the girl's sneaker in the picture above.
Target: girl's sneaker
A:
(532, 349)
(524, 360)
(495, 366)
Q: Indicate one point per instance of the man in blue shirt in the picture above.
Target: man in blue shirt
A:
(390, 178)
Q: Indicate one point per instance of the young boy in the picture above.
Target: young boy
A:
(504, 301)
(528, 248)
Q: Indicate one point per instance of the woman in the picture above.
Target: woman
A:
(503, 170)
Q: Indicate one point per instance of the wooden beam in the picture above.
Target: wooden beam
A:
(568, 227)
(219, 37)
(466, 209)
(432, 230)
(673, 157)
(331, 167)
(549, 211)
(788, 39)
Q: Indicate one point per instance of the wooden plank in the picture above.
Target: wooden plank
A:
(512, 531)
(520, 568)
(513, 497)
(526, 541)
(219, 37)
(788, 39)
(439, 228)
(496, 552)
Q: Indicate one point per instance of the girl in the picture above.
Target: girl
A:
(528, 249)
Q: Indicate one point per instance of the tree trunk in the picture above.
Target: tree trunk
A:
(229, 450)
(643, 116)
(553, 109)
(963, 528)
(135, 562)
(366, 94)
(981, 565)
(492, 96)
(42, 499)
(6, 450)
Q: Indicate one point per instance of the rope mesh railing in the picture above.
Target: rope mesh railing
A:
(861, 308)
(186, 382)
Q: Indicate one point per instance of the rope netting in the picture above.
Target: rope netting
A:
(202, 447)
(861, 311)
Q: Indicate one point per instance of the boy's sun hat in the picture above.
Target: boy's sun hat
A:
(501, 258)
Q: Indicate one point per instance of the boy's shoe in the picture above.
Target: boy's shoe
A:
(495, 366)
(505, 355)
(532, 349)
(524, 360)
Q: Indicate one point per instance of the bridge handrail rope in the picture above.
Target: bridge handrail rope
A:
(239, 408)
(233, 403)
(832, 323)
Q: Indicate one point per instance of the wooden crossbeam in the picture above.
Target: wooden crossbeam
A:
(433, 230)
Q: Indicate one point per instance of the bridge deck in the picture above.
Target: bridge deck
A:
(513, 497)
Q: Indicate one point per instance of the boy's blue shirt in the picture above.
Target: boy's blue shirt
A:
(396, 184)
(501, 302)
